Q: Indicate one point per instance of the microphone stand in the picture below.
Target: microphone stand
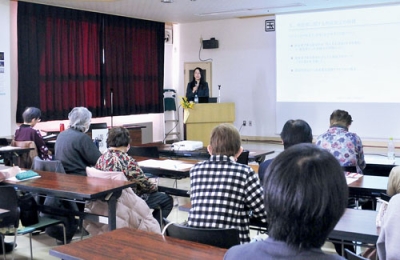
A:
(112, 106)
(219, 93)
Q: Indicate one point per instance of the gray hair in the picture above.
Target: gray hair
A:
(79, 119)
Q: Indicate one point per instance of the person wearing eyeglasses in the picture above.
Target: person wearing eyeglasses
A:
(26, 132)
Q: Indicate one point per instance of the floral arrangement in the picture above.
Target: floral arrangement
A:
(186, 104)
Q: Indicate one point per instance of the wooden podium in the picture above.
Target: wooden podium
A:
(204, 117)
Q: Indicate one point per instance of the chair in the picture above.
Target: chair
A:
(56, 166)
(26, 160)
(9, 201)
(349, 168)
(219, 237)
(353, 256)
(50, 166)
(244, 157)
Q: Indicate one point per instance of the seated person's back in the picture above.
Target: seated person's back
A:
(344, 145)
(74, 148)
(25, 132)
(222, 191)
(305, 194)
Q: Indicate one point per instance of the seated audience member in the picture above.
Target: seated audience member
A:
(393, 186)
(74, 148)
(117, 159)
(305, 195)
(389, 237)
(293, 132)
(25, 132)
(344, 145)
(223, 192)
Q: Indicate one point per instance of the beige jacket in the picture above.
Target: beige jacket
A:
(132, 211)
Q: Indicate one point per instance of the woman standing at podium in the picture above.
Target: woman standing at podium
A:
(198, 86)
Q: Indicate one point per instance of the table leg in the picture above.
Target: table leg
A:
(112, 213)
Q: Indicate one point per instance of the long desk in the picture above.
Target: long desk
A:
(12, 153)
(166, 150)
(76, 187)
(356, 225)
(126, 243)
(379, 165)
(368, 186)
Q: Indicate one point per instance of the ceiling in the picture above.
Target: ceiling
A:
(188, 11)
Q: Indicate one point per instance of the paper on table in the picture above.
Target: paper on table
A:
(6, 148)
(166, 164)
(16, 180)
(352, 177)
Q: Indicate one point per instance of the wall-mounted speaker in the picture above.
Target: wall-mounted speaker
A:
(210, 44)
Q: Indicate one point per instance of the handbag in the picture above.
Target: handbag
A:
(28, 210)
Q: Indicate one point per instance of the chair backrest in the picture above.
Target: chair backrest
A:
(26, 159)
(224, 237)
(353, 256)
(349, 168)
(146, 151)
(9, 201)
(244, 157)
(50, 166)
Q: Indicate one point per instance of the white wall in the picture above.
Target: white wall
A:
(5, 78)
(244, 66)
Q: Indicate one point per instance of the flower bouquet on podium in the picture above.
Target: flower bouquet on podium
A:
(186, 106)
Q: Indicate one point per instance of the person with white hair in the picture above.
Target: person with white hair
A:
(74, 148)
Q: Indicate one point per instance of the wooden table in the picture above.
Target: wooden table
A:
(76, 187)
(357, 225)
(12, 153)
(127, 243)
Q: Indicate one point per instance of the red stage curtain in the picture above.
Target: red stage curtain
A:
(134, 65)
(60, 62)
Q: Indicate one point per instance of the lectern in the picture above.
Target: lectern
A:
(204, 117)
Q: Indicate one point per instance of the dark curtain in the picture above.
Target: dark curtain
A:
(60, 64)
(61, 68)
(134, 65)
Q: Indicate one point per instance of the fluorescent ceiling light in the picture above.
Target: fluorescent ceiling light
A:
(251, 9)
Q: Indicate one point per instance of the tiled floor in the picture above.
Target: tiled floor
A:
(43, 243)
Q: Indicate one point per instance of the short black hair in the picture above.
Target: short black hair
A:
(117, 137)
(305, 195)
(31, 113)
(296, 132)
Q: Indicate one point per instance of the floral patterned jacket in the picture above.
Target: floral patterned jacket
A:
(114, 160)
(344, 145)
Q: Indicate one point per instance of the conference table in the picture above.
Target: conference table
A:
(127, 243)
(166, 150)
(12, 153)
(378, 164)
(356, 225)
(368, 186)
(77, 188)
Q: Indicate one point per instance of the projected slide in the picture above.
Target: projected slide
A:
(345, 55)
(342, 59)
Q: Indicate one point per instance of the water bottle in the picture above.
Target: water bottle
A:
(391, 151)
(196, 99)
